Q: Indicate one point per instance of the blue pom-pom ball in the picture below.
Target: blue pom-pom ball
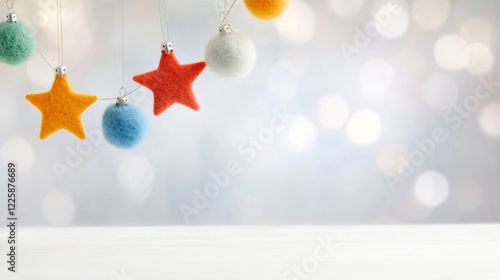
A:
(123, 126)
(17, 43)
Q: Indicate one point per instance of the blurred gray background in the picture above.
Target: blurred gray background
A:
(387, 125)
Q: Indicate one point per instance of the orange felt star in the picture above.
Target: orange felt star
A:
(172, 83)
(61, 108)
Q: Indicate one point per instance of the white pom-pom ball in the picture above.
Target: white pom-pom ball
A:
(230, 54)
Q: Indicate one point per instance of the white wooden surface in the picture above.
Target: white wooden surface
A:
(257, 253)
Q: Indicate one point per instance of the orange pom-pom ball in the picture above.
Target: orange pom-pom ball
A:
(266, 9)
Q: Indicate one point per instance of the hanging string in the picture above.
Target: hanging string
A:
(43, 56)
(166, 20)
(223, 20)
(127, 94)
(60, 46)
(60, 41)
(11, 4)
(220, 11)
(122, 91)
(225, 7)
(60, 50)
(225, 12)
(123, 58)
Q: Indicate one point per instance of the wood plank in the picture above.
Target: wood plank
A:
(444, 252)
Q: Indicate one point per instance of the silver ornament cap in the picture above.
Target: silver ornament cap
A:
(60, 70)
(11, 18)
(225, 29)
(167, 47)
(121, 101)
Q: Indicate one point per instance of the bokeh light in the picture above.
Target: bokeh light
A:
(489, 120)
(451, 52)
(333, 111)
(298, 22)
(346, 7)
(391, 23)
(430, 14)
(19, 150)
(481, 59)
(477, 29)
(303, 133)
(364, 127)
(431, 189)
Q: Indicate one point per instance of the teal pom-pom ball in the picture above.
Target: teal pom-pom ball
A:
(17, 43)
(123, 126)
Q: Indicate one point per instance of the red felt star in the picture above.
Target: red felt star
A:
(172, 83)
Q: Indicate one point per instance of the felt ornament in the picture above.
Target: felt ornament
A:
(230, 54)
(123, 125)
(172, 82)
(17, 42)
(61, 108)
(266, 9)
